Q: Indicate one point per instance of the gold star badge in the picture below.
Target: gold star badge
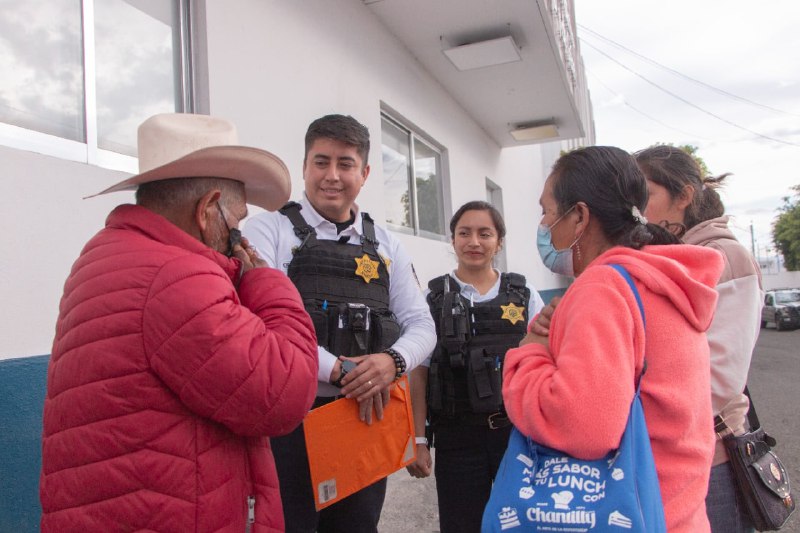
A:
(367, 268)
(512, 313)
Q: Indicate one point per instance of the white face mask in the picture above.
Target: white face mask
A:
(558, 261)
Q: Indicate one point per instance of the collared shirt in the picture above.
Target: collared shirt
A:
(273, 236)
(468, 291)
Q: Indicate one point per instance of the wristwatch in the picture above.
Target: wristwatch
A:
(399, 362)
(347, 366)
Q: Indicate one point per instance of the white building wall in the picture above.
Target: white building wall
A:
(525, 170)
(273, 67)
(324, 57)
(781, 280)
(46, 224)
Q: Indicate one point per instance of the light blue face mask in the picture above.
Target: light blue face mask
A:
(558, 261)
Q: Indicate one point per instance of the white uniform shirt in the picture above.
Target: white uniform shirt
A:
(273, 236)
(468, 291)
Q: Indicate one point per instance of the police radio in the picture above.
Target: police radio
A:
(454, 325)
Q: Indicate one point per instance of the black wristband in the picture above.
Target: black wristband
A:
(338, 381)
(399, 362)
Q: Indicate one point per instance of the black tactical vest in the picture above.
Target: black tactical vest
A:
(467, 363)
(345, 288)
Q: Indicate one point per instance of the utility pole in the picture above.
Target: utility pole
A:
(753, 240)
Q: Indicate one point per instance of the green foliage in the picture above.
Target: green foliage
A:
(786, 230)
(428, 203)
(565, 152)
(692, 151)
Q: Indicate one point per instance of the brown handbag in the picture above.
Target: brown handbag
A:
(760, 476)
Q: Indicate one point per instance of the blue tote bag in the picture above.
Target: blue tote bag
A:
(541, 489)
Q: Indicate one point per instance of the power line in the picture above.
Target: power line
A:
(682, 75)
(624, 101)
(687, 102)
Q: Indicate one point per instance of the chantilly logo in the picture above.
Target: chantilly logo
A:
(562, 499)
(579, 518)
(562, 514)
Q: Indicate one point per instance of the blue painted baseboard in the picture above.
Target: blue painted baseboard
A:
(547, 295)
(22, 390)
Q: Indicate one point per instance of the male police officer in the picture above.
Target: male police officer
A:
(359, 286)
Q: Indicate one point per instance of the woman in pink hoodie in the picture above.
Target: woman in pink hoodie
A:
(572, 390)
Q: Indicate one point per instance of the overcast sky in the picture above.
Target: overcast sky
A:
(749, 49)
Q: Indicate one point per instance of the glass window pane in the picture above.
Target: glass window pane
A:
(41, 60)
(135, 68)
(396, 159)
(427, 171)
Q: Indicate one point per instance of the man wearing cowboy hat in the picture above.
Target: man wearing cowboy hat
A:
(177, 351)
(359, 286)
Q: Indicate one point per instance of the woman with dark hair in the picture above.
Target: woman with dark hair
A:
(686, 202)
(479, 313)
(572, 390)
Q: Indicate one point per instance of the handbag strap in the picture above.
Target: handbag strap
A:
(629, 279)
(624, 273)
(752, 417)
(724, 431)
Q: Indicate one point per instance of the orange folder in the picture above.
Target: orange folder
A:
(345, 454)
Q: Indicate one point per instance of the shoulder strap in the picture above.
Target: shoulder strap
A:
(368, 240)
(629, 279)
(752, 417)
(624, 273)
(443, 284)
(302, 229)
(511, 282)
(515, 280)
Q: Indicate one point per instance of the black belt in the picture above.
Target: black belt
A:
(319, 401)
(497, 420)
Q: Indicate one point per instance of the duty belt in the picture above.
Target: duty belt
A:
(498, 420)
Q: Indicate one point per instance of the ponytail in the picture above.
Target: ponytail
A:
(710, 204)
(643, 234)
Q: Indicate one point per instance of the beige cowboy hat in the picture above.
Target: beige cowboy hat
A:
(185, 145)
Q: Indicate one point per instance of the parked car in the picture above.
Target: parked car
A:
(782, 308)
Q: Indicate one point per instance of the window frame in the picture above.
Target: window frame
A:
(494, 195)
(13, 136)
(415, 134)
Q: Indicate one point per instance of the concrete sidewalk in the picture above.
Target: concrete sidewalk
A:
(410, 505)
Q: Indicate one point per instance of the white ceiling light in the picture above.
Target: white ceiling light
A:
(535, 132)
(484, 53)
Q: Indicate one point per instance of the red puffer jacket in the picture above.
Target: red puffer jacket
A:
(165, 383)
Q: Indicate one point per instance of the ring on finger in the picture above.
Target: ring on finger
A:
(369, 382)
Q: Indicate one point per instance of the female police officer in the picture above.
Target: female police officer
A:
(479, 314)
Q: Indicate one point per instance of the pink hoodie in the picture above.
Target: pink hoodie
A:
(576, 395)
